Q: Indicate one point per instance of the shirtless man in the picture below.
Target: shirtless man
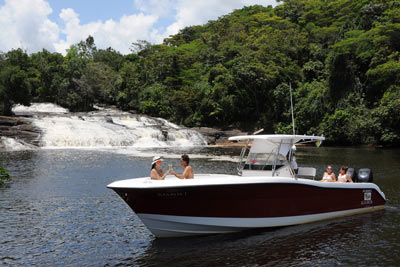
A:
(187, 172)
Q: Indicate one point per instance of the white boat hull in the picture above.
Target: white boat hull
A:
(165, 226)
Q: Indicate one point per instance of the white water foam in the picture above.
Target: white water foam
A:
(112, 131)
(10, 144)
(39, 108)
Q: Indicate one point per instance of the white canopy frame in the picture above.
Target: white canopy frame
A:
(280, 146)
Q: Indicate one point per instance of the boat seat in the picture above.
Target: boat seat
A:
(306, 171)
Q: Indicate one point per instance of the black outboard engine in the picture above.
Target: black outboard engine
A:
(352, 173)
(364, 175)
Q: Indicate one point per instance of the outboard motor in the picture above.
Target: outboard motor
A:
(352, 173)
(364, 175)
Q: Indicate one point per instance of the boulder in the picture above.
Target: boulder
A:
(218, 136)
(19, 128)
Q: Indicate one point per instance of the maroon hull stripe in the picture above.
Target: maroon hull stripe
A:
(265, 200)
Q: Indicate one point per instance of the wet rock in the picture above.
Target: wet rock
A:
(165, 134)
(218, 136)
(11, 121)
(109, 119)
(19, 128)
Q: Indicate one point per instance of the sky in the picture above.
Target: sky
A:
(55, 25)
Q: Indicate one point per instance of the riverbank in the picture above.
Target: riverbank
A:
(21, 129)
(219, 137)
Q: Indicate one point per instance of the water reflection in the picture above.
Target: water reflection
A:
(333, 242)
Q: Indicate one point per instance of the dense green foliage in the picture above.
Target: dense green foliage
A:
(341, 57)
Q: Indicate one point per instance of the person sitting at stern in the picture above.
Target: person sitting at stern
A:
(343, 176)
(329, 176)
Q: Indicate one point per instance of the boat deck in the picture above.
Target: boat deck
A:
(226, 179)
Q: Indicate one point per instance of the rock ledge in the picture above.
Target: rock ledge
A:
(19, 128)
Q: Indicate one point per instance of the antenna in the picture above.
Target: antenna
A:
(291, 105)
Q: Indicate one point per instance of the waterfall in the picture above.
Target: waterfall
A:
(11, 144)
(105, 128)
(38, 108)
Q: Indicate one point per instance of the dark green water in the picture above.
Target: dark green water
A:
(58, 211)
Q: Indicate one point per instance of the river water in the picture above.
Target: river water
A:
(57, 211)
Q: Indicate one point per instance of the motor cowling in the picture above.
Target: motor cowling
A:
(364, 175)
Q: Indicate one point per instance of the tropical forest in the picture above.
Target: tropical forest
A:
(340, 59)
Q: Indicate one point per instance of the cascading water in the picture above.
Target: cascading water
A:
(105, 128)
(39, 108)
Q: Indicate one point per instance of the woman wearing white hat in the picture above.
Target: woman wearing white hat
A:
(156, 169)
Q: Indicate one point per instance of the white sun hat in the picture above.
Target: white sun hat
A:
(155, 159)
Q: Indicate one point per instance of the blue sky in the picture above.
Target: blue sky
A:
(101, 10)
(57, 24)
(93, 10)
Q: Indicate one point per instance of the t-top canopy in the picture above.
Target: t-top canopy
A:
(277, 138)
(267, 143)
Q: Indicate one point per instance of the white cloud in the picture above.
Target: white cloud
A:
(160, 8)
(25, 23)
(189, 12)
(116, 34)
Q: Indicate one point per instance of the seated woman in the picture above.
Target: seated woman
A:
(344, 177)
(329, 176)
(156, 169)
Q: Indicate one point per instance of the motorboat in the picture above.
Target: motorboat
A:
(270, 190)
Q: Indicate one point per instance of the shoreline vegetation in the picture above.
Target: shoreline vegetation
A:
(340, 57)
(4, 175)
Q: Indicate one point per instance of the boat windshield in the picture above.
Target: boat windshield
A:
(264, 161)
